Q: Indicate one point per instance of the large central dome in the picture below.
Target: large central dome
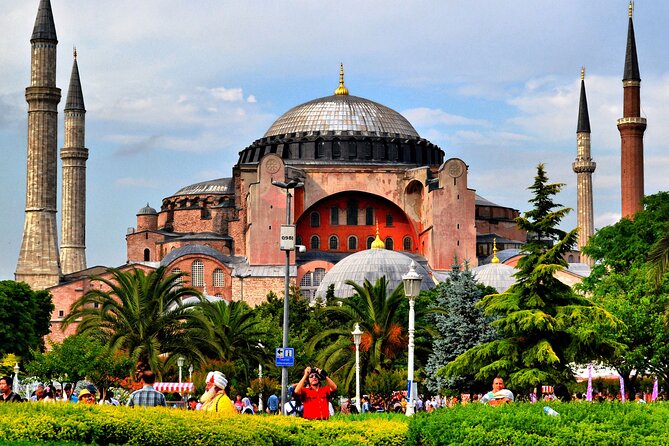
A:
(342, 113)
(343, 129)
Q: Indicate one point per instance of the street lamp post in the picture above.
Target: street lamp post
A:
(16, 378)
(180, 363)
(260, 405)
(411, 289)
(357, 337)
(292, 184)
(190, 373)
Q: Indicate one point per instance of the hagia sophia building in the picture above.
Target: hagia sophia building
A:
(368, 194)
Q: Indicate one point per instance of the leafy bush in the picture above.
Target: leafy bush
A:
(525, 424)
(62, 423)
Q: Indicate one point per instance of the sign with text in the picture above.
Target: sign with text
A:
(287, 241)
(285, 357)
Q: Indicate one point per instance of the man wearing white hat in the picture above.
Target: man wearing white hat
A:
(215, 398)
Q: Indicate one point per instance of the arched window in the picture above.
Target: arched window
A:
(147, 255)
(389, 220)
(334, 215)
(370, 240)
(315, 219)
(570, 259)
(407, 243)
(218, 278)
(320, 149)
(197, 273)
(389, 244)
(352, 243)
(334, 243)
(310, 282)
(180, 280)
(315, 242)
(336, 149)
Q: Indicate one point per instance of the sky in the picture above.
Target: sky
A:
(175, 89)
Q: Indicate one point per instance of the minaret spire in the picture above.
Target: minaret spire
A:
(74, 155)
(631, 127)
(39, 264)
(584, 167)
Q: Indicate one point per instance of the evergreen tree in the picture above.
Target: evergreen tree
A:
(462, 327)
(544, 326)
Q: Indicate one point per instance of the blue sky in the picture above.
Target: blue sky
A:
(175, 89)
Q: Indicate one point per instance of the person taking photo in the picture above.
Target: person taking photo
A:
(315, 398)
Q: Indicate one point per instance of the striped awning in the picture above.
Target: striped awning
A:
(546, 389)
(175, 387)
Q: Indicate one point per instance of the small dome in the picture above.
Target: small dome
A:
(497, 275)
(370, 264)
(147, 210)
(342, 112)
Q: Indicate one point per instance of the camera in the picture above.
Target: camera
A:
(320, 373)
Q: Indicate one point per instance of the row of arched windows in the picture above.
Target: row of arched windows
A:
(197, 275)
(352, 243)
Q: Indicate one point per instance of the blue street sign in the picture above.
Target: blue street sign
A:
(285, 357)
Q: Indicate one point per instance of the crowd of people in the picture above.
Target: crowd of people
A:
(312, 397)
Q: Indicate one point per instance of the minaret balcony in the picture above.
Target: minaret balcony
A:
(632, 120)
(583, 166)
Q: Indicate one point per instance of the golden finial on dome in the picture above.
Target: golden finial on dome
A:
(378, 243)
(494, 251)
(583, 73)
(341, 90)
(631, 8)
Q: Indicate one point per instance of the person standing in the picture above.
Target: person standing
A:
(273, 404)
(220, 402)
(499, 395)
(147, 396)
(7, 395)
(315, 398)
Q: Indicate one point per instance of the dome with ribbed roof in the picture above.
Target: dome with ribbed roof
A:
(496, 275)
(371, 264)
(147, 210)
(342, 113)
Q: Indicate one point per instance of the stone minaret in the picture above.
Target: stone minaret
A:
(38, 263)
(584, 167)
(631, 127)
(74, 156)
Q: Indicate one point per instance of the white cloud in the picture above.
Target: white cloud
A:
(228, 94)
(425, 116)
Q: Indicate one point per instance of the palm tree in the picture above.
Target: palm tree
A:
(658, 259)
(236, 333)
(143, 315)
(384, 339)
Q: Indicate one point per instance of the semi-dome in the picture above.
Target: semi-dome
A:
(370, 264)
(342, 113)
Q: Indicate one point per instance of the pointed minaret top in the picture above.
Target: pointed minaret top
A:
(583, 125)
(631, 8)
(45, 28)
(341, 90)
(631, 62)
(75, 97)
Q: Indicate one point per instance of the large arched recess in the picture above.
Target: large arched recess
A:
(392, 220)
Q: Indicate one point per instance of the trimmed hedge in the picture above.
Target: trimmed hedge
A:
(580, 424)
(62, 423)
(584, 424)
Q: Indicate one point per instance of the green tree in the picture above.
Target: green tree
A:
(143, 315)
(619, 282)
(236, 334)
(462, 327)
(24, 318)
(384, 341)
(543, 325)
(79, 358)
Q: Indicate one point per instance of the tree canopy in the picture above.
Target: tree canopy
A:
(543, 325)
(24, 318)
